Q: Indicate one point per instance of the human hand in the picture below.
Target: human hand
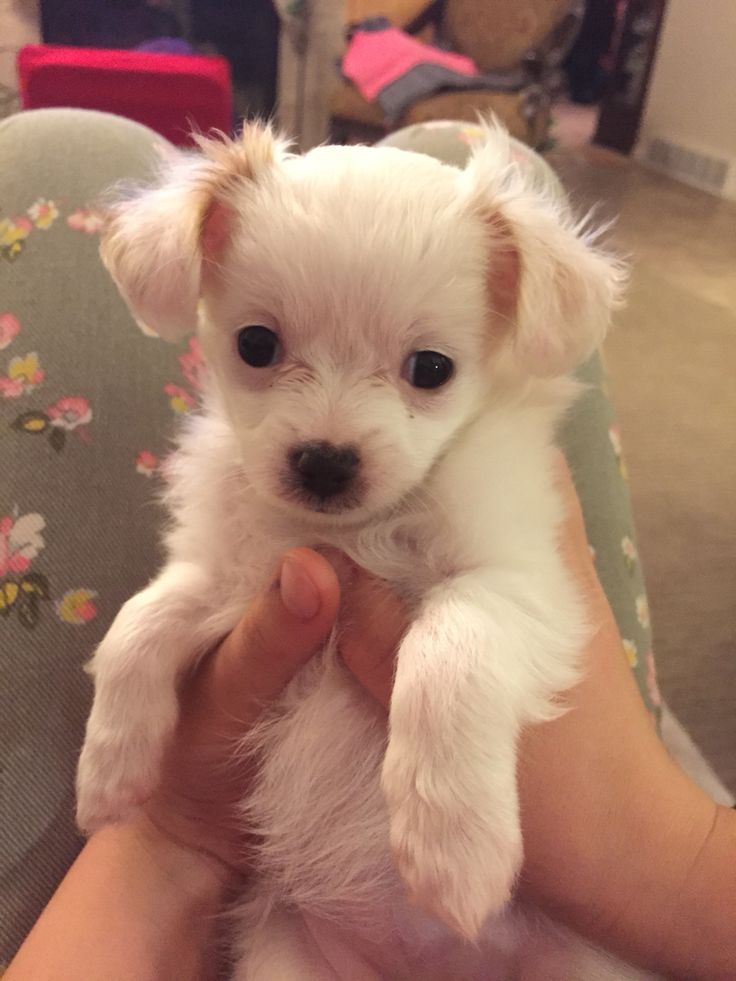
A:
(204, 779)
(619, 842)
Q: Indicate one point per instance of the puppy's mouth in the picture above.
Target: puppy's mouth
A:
(336, 505)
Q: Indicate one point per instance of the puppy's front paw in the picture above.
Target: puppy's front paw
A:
(109, 785)
(456, 850)
(119, 770)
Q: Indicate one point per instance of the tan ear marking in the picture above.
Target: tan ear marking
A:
(215, 233)
(230, 161)
(504, 272)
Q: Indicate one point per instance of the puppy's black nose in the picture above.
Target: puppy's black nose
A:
(323, 469)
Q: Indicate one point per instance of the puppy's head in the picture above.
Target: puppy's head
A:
(355, 305)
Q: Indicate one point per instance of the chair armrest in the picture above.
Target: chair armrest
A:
(410, 15)
(552, 51)
(431, 16)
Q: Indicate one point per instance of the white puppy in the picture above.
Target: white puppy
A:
(388, 340)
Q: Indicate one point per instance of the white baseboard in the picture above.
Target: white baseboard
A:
(697, 166)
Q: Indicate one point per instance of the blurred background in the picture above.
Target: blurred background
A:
(632, 101)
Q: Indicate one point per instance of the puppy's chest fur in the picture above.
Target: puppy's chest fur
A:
(319, 805)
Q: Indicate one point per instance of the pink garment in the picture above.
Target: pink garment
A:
(375, 59)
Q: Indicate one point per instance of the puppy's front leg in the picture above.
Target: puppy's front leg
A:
(466, 679)
(156, 635)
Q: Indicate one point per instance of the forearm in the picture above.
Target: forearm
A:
(665, 896)
(678, 916)
(661, 889)
(620, 844)
(133, 905)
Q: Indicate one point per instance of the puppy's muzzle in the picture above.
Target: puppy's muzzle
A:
(322, 469)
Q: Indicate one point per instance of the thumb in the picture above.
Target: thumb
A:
(283, 627)
(286, 624)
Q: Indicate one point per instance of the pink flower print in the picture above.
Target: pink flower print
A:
(652, 687)
(85, 220)
(23, 376)
(70, 412)
(146, 463)
(13, 233)
(77, 607)
(642, 611)
(20, 542)
(194, 369)
(9, 327)
(629, 552)
(43, 213)
(192, 365)
(179, 398)
(632, 655)
(471, 134)
(614, 434)
(22, 592)
(10, 388)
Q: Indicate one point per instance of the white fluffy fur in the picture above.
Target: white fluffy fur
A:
(357, 257)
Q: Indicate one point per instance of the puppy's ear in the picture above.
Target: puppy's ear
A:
(157, 243)
(551, 289)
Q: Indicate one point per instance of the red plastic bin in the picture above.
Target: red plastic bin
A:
(172, 94)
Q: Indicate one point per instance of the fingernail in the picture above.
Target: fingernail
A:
(298, 593)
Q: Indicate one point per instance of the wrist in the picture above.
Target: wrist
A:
(624, 877)
(701, 939)
(135, 904)
(665, 896)
(175, 896)
(191, 872)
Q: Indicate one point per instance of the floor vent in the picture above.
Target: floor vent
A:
(700, 169)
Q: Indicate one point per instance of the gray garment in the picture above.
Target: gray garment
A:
(424, 80)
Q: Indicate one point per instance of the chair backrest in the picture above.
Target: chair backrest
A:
(497, 34)
(399, 12)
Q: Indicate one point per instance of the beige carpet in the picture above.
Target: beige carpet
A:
(672, 363)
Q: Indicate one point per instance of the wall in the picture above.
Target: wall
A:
(692, 92)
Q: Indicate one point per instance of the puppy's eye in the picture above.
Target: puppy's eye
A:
(428, 369)
(258, 346)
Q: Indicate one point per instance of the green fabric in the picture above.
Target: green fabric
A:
(81, 394)
(87, 408)
(452, 142)
(591, 443)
